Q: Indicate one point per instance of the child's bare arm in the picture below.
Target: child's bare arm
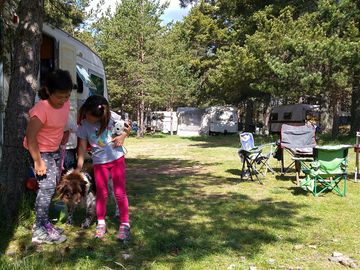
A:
(32, 130)
(81, 154)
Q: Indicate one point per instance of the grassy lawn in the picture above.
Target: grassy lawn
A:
(189, 210)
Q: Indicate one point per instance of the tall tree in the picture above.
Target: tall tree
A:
(127, 44)
(23, 86)
(176, 82)
(66, 14)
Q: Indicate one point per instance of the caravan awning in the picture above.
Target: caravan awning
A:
(85, 77)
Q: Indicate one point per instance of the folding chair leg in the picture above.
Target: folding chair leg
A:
(267, 167)
(282, 161)
(252, 170)
(297, 169)
(242, 169)
(356, 166)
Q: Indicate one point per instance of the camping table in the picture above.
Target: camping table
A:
(357, 151)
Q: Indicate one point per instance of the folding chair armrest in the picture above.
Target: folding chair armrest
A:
(315, 165)
(261, 146)
(244, 152)
(344, 164)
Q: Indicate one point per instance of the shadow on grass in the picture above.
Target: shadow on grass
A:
(179, 213)
(230, 140)
(176, 219)
(8, 225)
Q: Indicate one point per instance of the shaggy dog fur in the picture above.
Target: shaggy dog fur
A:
(79, 189)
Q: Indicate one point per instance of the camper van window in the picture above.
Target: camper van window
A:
(85, 77)
(99, 83)
(274, 116)
(80, 84)
(287, 116)
(219, 115)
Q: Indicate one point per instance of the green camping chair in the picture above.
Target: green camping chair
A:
(327, 170)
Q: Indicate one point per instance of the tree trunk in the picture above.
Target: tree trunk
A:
(355, 105)
(336, 123)
(326, 123)
(23, 85)
(138, 132)
(142, 115)
(249, 114)
(267, 114)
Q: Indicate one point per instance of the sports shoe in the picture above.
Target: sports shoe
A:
(41, 236)
(100, 231)
(124, 233)
(52, 227)
(58, 229)
(53, 233)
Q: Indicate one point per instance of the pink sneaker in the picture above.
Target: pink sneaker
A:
(124, 233)
(100, 231)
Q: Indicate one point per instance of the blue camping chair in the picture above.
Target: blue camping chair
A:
(252, 155)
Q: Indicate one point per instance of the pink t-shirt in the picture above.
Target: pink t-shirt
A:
(54, 122)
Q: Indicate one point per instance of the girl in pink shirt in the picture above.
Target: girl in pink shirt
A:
(44, 134)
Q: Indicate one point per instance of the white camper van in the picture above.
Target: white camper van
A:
(190, 121)
(60, 50)
(222, 119)
(293, 114)
(163, 121)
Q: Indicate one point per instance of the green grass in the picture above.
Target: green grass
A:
(188, 210)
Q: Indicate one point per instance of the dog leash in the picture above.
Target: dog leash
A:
(62, 156)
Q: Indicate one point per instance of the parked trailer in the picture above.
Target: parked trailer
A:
(293, 114)
(169, 122)
(60, 50)
(190, 121)
(222, 119)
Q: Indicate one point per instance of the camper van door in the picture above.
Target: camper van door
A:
(67, 58)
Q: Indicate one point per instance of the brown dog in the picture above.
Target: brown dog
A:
(78, 189)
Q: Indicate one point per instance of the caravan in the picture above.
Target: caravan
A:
(165, 121)
(60, 50)
(222, 119)
(293, 114)
(190, 121)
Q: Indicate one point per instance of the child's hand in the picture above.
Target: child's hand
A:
(118, 140)
(77, 170)
(127, 128)
(40, 167)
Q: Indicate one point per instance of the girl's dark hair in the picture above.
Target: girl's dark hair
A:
(97, 106)
(56, 81)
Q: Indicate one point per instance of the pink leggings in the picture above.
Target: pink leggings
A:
(117, 170)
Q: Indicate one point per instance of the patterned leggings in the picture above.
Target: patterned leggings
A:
(47, 186)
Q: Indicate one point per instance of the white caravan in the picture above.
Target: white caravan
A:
(221, 119)
(60, 50)
(190, 121)
(165, 121)
(170, 122)
(293, 114)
